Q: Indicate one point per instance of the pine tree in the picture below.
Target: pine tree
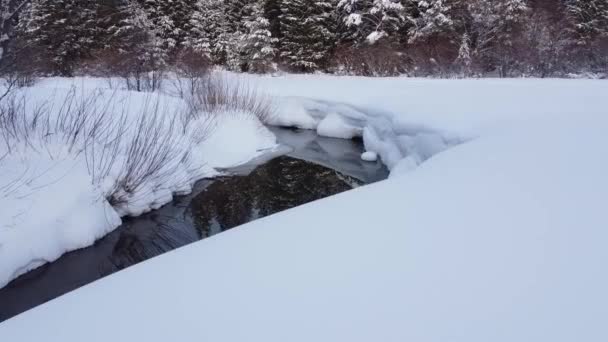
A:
(272, 12)
(148, 43)
(172, 20)
(308, 31)
(590, 32)
(206, 23)
(371, 20)
(257, 44)
(590, 19)
(464, 60)
(433, 20)
(232, 32)
(65, 29)
(496, 28)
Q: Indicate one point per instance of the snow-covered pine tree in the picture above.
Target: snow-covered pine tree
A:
(272, 12)
(308, 33)
(141, 52)
(232, 33)
(205, 22)
(371, 20)
(172, 20)
(434, 35)
(590, 19)
(496, 28)
(464, 60)
(433, 19)
(65, 30)
(257, 44)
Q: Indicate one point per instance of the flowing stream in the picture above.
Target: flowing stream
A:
(315, 167)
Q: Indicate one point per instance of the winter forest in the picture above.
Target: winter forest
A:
(440, 38)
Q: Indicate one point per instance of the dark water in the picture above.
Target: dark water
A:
(315, 168)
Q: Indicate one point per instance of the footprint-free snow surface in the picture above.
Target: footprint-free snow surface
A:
(246, 193)
(494, 231)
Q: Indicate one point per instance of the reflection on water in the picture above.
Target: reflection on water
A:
(213, 207)
(280, 184)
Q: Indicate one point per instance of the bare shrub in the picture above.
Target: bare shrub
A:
(140, 71)
(217, 94)
(135, 153)
(190, 68)
(151, 153)
(75, 122)
(369, 60)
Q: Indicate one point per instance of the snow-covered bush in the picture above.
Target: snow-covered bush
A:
(83, 157)
(133, 146)
(218, 94)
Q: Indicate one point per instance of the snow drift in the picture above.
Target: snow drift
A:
(73, 161)
(499, 238)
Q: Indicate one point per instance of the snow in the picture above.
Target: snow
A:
(222, 150)
(381, 132)
(369, 156)
(37, 225)
(375, 36)
(491, 228)
(402, 118)
(54, 199)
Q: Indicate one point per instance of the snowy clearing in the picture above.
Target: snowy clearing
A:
(492, 228)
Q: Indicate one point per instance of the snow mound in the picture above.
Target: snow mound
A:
(393, 140)
(48, 206)
(369, 156)
(499, 239)
(56, 197)
(221, 149)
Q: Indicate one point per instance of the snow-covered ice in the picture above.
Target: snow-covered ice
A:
(491, 228)
(369, 156)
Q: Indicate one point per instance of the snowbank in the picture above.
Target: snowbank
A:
(59, 193)
(407, 121)
(501, 238)
(392, 140)
(48, 205)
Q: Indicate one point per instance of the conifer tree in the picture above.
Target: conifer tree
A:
(434, 19)
(590, 19)
(371, 20)
(308, 33)
(65, 30)
(464, 56)
(257, 43)
(206, 23)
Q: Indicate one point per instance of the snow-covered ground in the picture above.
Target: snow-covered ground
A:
(493, 228)
(55, 199)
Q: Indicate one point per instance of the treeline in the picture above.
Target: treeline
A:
(364, 37)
